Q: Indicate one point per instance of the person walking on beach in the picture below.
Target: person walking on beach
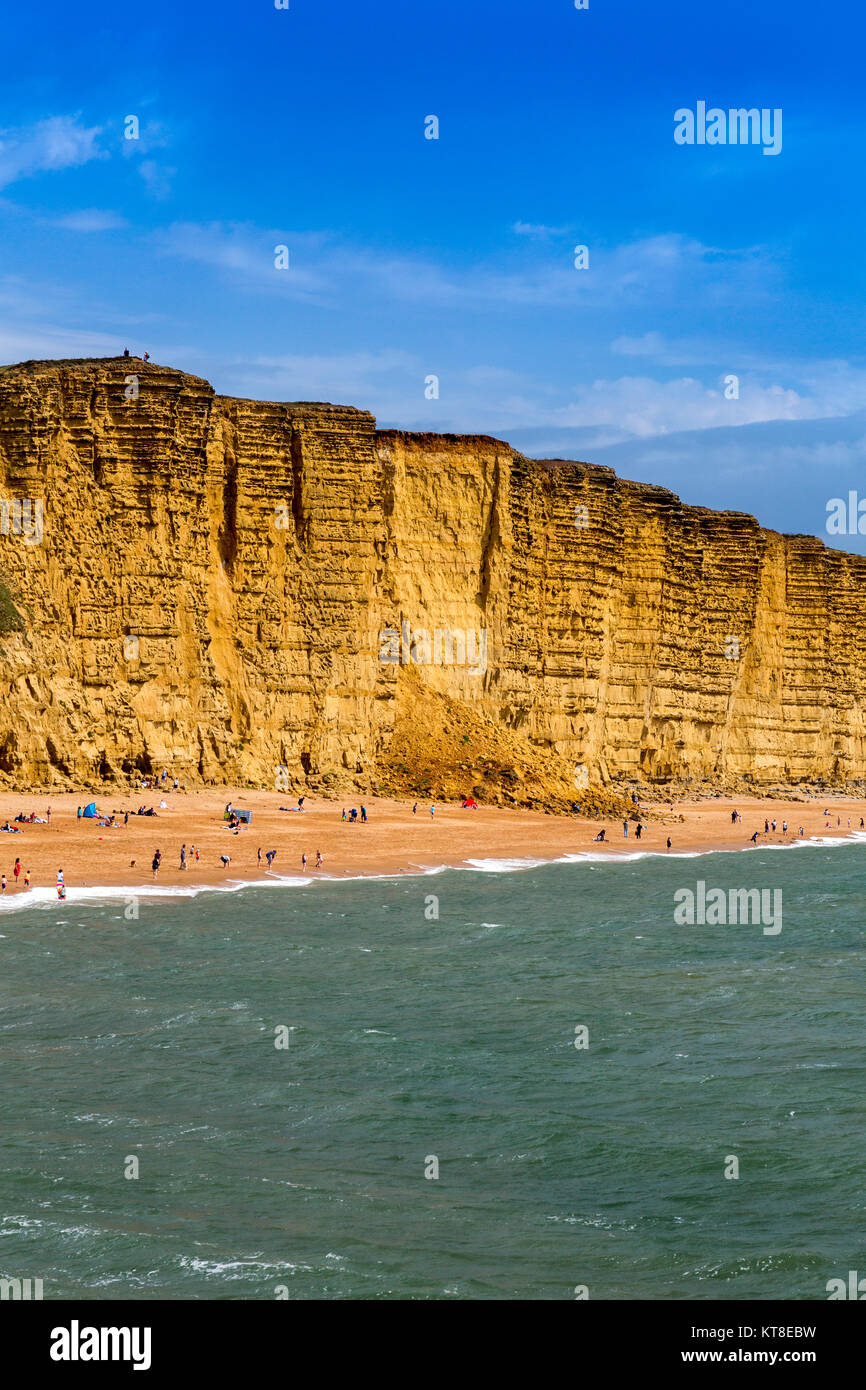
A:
(258, 856)
(196, 856)
(16, 871)
(319, 860)
(432, 810)
(59, 875)
(755, 838)
(415, 810)
(126, 818)
(784, 827)
(766, 827)
(48, 815)
(303, 863)
(271, 856)
(79, 813)
(225, 860)
(363, 813)
(26, 878)
(183, 856)
(343, 817)
(625, 828)
(669, 841)
(2, 883)
(637, 833)
(155, 865)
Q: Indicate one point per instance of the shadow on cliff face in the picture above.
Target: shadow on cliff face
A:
(10, 619)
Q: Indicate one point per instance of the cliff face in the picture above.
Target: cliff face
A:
(248, 591)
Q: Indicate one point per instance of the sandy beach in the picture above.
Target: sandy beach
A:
(392, 841)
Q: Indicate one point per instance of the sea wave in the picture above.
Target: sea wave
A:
(47, 897)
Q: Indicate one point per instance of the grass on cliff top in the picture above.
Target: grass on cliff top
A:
(444, 748)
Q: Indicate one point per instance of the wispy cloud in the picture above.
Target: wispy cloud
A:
(91, 220)
(632, 274)
(149, 136)
(157, 178)
(60, 142)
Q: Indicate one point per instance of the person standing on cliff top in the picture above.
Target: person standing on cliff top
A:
(126, 352)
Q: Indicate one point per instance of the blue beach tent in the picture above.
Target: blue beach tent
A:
(90, 810)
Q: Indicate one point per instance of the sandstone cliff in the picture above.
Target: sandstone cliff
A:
(210, 580)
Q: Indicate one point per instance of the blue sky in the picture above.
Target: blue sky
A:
(454, 257)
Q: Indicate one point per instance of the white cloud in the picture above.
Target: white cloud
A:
(248, 254)
(91, 220)
(157, 178)
(669, 267)
(60, 142)
(344, 379)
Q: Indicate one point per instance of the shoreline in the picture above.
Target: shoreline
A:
(101, 861)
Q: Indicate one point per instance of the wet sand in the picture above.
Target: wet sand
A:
(393, 841)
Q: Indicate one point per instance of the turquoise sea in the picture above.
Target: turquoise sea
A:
(300, 1171)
